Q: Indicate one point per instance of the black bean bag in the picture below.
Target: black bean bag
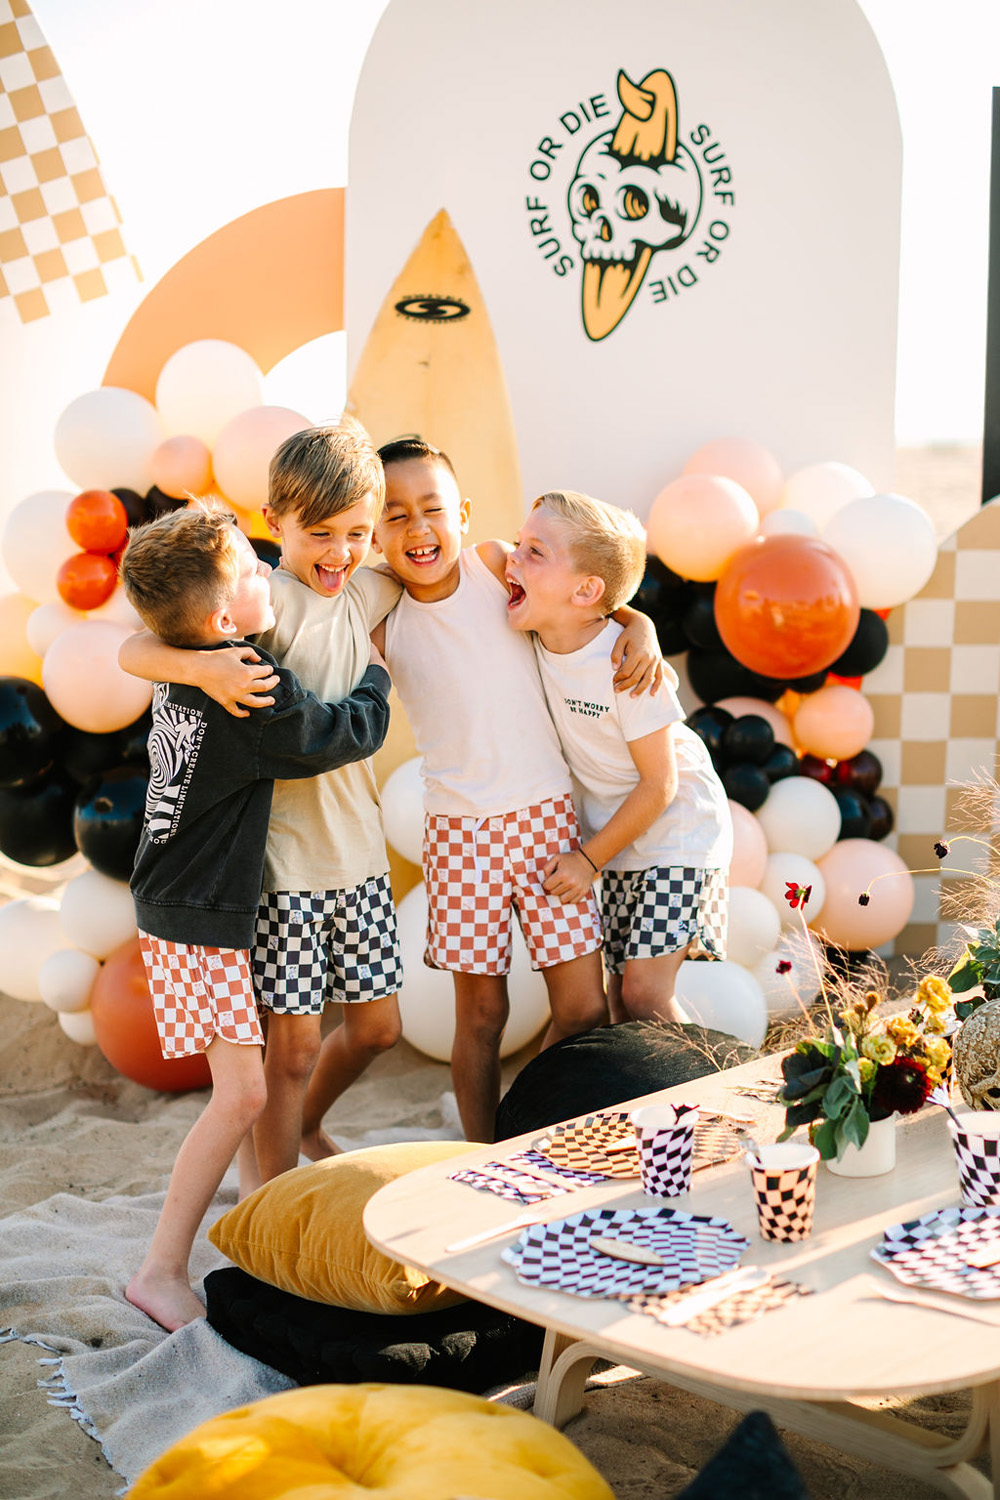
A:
(752, 1464)
(466, 1348)
(609, 1065)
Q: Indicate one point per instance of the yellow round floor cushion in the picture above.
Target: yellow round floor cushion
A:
(380, 1442)
(302, 1231)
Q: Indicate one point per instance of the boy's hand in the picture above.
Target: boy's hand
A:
(636, 658)
(235, 677)
(568, 876)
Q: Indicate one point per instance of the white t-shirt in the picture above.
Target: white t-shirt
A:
(595, 725)
(326, 831)
(471, 691)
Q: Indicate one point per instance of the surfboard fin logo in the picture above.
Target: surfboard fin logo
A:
(433, 309)
(636, 191)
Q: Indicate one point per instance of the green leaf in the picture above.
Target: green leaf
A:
(964, 1008)
(966, 976)
(824, 1138)
(837, 1096)
(855, 1127)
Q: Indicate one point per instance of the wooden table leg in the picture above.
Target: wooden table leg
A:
(566, 1363)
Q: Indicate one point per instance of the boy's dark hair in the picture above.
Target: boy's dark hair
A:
(321, 471)
(179, 569)
(402, 449)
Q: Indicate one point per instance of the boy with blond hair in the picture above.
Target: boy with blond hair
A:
(655, 816)
(198, 584)
(326, 928)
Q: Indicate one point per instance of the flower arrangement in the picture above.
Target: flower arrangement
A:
(978, 967)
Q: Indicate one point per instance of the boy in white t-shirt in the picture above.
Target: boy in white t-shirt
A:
(654, 813)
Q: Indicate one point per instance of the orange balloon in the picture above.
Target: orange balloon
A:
(125, 1027)
(97, 521)
(86, 580)
(786, 606)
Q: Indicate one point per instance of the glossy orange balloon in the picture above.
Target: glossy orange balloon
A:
(786, 606)
(97, 522)
(125, 1027)
(86, 580)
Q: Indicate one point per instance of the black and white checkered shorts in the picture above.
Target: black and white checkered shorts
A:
(660, 910)
(312, 947)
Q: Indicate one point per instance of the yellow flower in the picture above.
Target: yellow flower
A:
(934, 1078)
(937, 1051)
(879, 1048)
(866, 1068)
(934, 1025)
(902, 1031)
(934, 993)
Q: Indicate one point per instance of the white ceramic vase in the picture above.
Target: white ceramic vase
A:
(875, 1157)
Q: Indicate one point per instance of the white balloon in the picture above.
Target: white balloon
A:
(723, 996)
(203, 386)
(49, 621)
(106, 438)
(754, 925)
(29, 933)
(96, 914)
(820, 490)
(890, 546)
(800, 816)
(786, 993)
(427, 996)
(786, 522)
(79, 1027)
(66, 979)
(402, 800)
(117, 610)
(36, 543)
(785, 867)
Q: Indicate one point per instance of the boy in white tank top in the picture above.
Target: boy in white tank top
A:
(655, 814)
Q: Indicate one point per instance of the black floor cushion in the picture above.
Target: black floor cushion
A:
(753, 1464)
(465, 1348)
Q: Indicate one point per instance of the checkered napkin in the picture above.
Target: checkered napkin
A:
(741, 1307)
(535, 1160)
(507, 1181)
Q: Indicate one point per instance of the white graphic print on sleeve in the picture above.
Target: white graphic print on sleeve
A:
(174, 741)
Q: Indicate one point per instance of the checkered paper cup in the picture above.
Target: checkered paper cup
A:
(784, 1187)
(976, 1138)
(665, 1139)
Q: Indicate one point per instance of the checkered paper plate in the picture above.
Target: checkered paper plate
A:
(561, 1254)
(581, 1146)
(931, 1251)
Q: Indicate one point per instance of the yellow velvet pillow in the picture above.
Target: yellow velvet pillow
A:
(302, 1232)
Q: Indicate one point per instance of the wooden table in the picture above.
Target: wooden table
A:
(807, 1363)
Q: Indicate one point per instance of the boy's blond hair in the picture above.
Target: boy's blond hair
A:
(321, 471)
(606, 541)
(179, 569)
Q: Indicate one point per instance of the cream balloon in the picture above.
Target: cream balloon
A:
(79, 1027)
(698, 522)
(106, 438)
(785, 868)
(66, 979)
(788, 990)
(747, 462)
(889, 544)
(739, 706)
(402, 799)
(820, 490)
(182, 466)
(427, 996)
(723, 996)
(857, 867)
(203, 385)
(800, 816)
(785, 522)
(29, 933)
(834, 723)
(36, 543)
(18, 658)
(96, 914)
(48, 621)
(754, 926)
(117, 610)
(84, 682)
(244, 448)
(749, 847)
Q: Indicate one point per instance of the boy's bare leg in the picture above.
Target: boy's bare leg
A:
(246, 1165)
(647, 987)
(616, 1005)
(161, 1287)
(368, 1028)
(293, 1046)
(576, 997)
(481, 1010)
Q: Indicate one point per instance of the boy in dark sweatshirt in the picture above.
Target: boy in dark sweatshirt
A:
(197, 582)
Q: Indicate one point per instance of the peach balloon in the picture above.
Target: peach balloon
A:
(852, 868)
(698, 522)
(749, 848)
(182, 466)
(84, 682)
(764, 710)
(18, 657)
(747, 462)
(244, 449)
(834, 723)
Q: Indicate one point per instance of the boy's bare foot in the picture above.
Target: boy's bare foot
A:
(172, 1304)
(317, 1145)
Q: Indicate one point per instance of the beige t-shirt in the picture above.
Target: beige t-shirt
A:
(326, 831)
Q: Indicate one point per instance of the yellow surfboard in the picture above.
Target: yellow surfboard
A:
(431, 367)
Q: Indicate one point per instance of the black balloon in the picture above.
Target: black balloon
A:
(87, 755)
(748, 738)
(670, 634)
(269, 551)
(810, 684)
(855, 815)
(862, 773)
(819, 770)
(107, 820)
(136, 510)
(868, 646)
(781, 762)
(699, 624)
(663, 596)
(710, 724)
(36, 822)
(31, 732)
(717, 674)
(881, 816)
(159, 504)
(746, 784)
(132, 741)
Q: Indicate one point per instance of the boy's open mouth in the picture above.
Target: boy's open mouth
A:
(331, 579)
(517, 593)
(422, 557)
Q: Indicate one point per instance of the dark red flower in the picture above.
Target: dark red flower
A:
(901, 1087)
(797, 895)
(941, 849)
(864, 898)
(784, 966)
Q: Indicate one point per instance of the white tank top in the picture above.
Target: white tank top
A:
(471, 691)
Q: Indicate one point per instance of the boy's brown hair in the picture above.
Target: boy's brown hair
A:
(321, 471)
(179, 569)
(606, 541)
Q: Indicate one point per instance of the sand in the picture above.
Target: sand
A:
(70, 1123)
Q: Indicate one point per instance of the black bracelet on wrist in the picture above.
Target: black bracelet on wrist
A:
(589, 861)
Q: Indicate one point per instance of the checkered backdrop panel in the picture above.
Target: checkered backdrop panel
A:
(60, 235)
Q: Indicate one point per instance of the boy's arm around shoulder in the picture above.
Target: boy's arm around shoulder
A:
(636, 655)
(235, 678)
(302, 736)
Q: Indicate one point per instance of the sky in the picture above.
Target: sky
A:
(181, 99)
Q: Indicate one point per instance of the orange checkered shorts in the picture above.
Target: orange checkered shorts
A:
(199, 994)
